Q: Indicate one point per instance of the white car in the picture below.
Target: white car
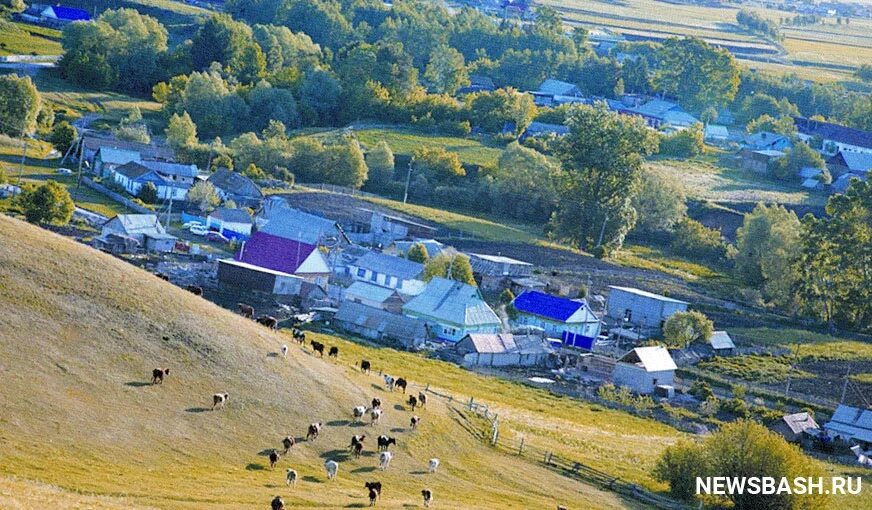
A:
(198, 230)
(65, 171)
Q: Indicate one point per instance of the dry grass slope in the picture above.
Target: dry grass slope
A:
(81, 427)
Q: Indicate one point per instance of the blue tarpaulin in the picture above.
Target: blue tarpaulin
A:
(186, 218)
(577, 340)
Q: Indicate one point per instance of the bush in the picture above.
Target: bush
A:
(693, 239)
(683, 144)
(506, 296)
(701, 390)
(148, 193)
(48, 203)
(737, 407)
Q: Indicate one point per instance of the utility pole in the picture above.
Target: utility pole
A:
(170, 206)
(845, 386)
(81, 156)
(603, 230)
(408, 178)
(23, 158)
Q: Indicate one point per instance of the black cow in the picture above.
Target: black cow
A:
(401, 383)
(273, 459)
(277, 503)
(384, 442)
(269, 321)
(376, 403)
(195, 290)
(318, 347)
(157, 375)
(334, 352)
(365, 366)
(413, 402)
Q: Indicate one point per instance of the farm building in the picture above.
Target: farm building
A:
(452, 310)
(387, 228)
(766, 141)
(792, 426)
(286, 256)
(231, 223)
(377, 324)
(243, 276)
(722, 344)
(834, 138)
(178, 173)
(571, 321)
(133, 176)
(759, 160)
(375, 296)
(715, 133)
(493, 271)
(477, 83)
(502, 350)
(853, 162)
(234, 186)
(276, 217)
(640, 307)
(644, 368)
(401, 248)
(144, 228)
(388, 271)
(108, 159)
(659, 114)
(553, 92)
(851, 424)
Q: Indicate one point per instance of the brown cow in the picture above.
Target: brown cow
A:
(287, 443)
(318, 347)
(268, 321)
(422, 399)
(247, 311)
(195, 290)
(157, 375)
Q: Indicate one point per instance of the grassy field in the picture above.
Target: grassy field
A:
(23, 39)
(810, 345)
(406, 141)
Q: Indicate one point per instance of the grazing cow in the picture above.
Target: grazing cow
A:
(433, 465)
(284, 351)
(428, 497)
(375, 416)
(332, 467)
(413, 402)
(273, 459)
(355, 440)
(365, 366)
(358, 449)
(358, 412)
(373, 496)
(389, 382)
(157, 375)
(277, 503)
(247, 311)
(384, 442)
(376, 403)
(269, 321)
(162, 277)
(376, 486)
(291, 478)
(287, 443)
(561, 507)
(334, 352)
(219, 399)
(413, 423)
(384, 460)
(422, 399)
(299, 336)
(314, 430)
(401, 383)
(318, 347)
(193, 289)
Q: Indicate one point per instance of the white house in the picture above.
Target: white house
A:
(644, 368)
(452, 310)
(835, 138)
(231, 223)
(374, 296)
(145, 229)
(388, 271)
(571, 321)
(133, 176)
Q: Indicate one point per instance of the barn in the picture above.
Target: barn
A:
(641, 308)
(644, 368)
(502, 350)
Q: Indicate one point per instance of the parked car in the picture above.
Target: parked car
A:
(65, 171)
(198, 230)
(216, 237)
(187, 225)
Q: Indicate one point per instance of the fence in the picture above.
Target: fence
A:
(130, 204)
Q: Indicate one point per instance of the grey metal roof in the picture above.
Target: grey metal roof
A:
(368, 291)
(721, 340)
(647, 294)
(452, 302)
(498, 343)
(297, 225)
(234, 182)
(231, 215)
(853, 422)
(557, 87)
(499, 259)
(432, 246)
(140, 224)
(118, 156)
(389, 265)
(857, 161)
(132, 170)
(385, 323)
(167, 168)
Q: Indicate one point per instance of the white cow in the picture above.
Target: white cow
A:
(284, 351)
(291, 478)
(434, 464)
(332, 467)
(358, 412)
(389, 382)
(384, 460)
(375, 416)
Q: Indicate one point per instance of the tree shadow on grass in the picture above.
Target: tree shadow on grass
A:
(254, 466)
(265, 452)
(197, 409)
(364, 469)
(399, 407)
(398, 429)
(312, 479)
(338, 423)
(378, 387)
(418, 472)
(357, 424)
(338, 455)
(357, 505)
(137, 384)
(272, 355)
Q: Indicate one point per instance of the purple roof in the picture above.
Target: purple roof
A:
(546, 305)
(273, 252)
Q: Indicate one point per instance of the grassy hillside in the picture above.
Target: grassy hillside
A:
(24, 39)
(80, 425)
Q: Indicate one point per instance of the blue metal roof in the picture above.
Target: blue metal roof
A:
(70, 13)
(546, 305)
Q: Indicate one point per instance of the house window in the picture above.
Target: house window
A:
(373, 276)
(391, 281)
(628, 315)
(654, 381)
(361, 272)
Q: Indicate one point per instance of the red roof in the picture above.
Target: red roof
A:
(273, 252)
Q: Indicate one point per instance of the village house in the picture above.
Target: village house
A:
(107, 159)
(659, 114)
(716, 134)
(645, 368)
(766, 141)
(276, 217)
(388, 271)
(502, 350)
(572, 321)
(234, 186)
(641, 308)
(93, 144)
(842, 184)
(452, 310)
(286, 256)
(237, 275)
(179, 174)
(477, 83)
(536, 129)
(850, 162)
(374, 296)
(759, 160)
(401, 248)
(851, 424)
(145, 229)
(54, 15)
(493, 272)
(834, 138)
(133, 176)
(792, 426)
(231, 223)
(554, 92)
(381, 325)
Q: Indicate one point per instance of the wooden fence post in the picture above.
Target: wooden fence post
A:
(471, 402)
(495, 433)
(521, 447)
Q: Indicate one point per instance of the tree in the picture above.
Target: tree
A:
(446, 71)
(62, 137)
(659, 204)
(231, 44)
(418, 253)
(456, 267)
(682, 328)
(343, 164)
(181, 132)
(767, 247)
(601, 160)
(796, 158)
(738, 450)
(148, 193)
(380, 161)
(267, 103)
(438, 164)
(203, 195)
(685, 143)
(782, 125)
(20, 103)
(461, 270)
(14, 5)
(696, 73)
(253, 172)
(490, 111)
(709, 116)
(693, 239)
(522, 184)
(48, 203)
(506, 296)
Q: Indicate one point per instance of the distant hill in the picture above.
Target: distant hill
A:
(80, 426)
